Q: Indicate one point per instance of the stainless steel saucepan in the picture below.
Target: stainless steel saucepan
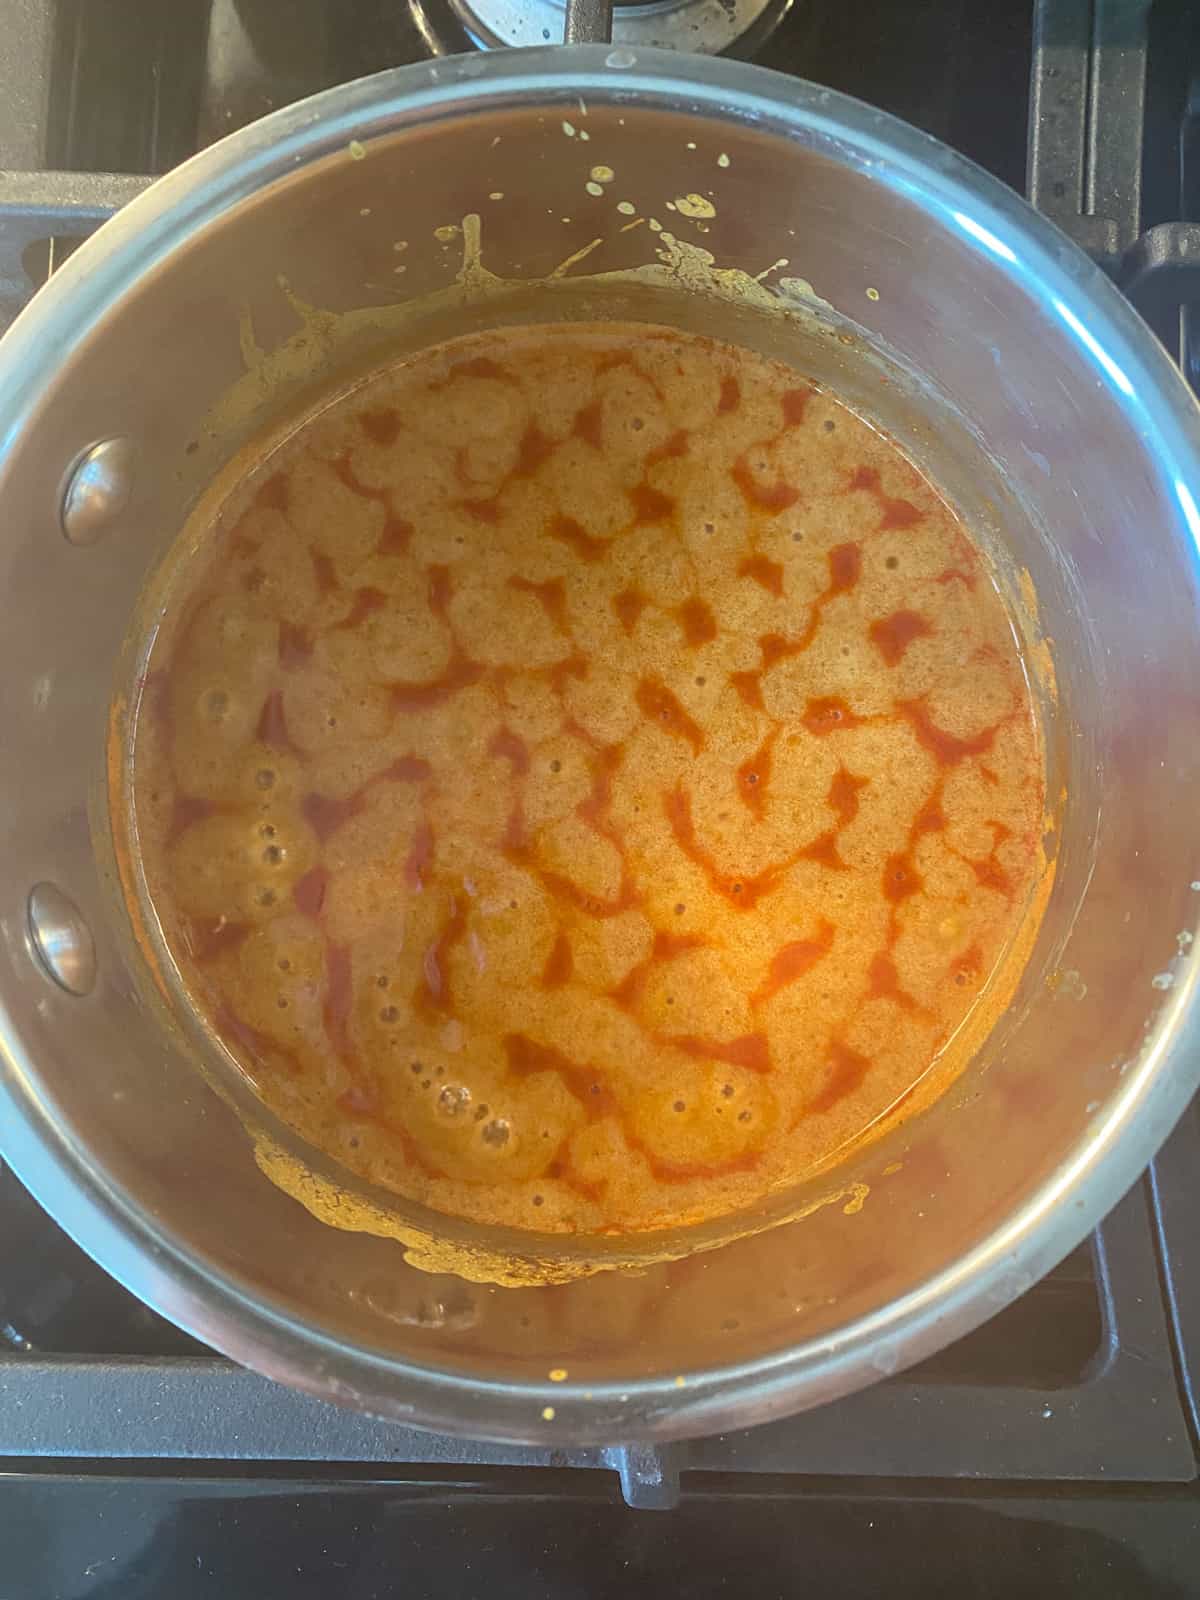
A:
(1014, 369)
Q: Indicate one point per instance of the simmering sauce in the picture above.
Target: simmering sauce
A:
(586, 778)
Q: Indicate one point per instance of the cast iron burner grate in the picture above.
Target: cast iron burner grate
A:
(1089, 1376)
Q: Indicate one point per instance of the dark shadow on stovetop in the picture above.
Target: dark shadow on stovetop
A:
(145, 1539)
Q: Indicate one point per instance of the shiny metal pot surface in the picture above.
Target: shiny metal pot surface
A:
(1043, 403)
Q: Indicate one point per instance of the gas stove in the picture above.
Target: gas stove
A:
(1052, 1451)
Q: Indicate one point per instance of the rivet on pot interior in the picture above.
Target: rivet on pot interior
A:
(61, 939)
(97, 490)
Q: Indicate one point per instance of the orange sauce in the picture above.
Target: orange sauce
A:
(587, 778)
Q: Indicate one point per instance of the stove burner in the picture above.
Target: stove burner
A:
(705, 26)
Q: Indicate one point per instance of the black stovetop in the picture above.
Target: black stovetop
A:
(1055, 1450)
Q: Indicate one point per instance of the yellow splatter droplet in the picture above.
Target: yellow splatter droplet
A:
(626, 207)
(548, 1413)
(680, 1383)
(357, 151)
(447, 233)
(857, 1200)
(695, 205)
(496, 194)
(569, 130)
(722, 159)
(558, 1374)
(602, 174)
(594, 189)
(892, 1168)
(872, 294)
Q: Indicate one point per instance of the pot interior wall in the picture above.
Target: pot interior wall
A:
(1019, 418)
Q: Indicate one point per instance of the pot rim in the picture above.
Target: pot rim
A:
(1140, 379)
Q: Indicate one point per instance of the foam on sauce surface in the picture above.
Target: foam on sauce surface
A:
(587, 778)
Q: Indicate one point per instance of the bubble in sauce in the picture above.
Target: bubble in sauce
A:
(454, 1099)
